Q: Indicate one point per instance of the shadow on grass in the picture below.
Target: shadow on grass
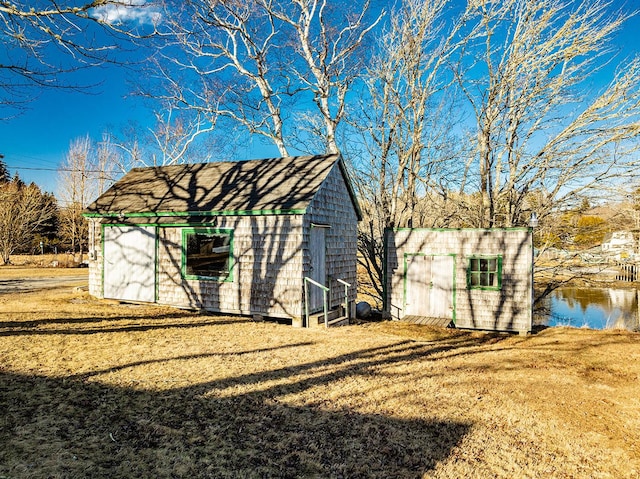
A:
(66, 428)
(85, 376)
(90, 325)
(62, 427)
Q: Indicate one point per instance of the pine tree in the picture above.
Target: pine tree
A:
(4, 172)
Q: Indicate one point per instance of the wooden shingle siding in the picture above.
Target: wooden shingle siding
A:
(332, 206)
(506, 309)
(266, 270)
(267, 210)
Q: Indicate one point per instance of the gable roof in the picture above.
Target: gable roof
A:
(269, 186)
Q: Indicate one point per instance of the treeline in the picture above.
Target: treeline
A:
(32, 221)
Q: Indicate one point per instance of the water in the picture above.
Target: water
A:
(595, 308)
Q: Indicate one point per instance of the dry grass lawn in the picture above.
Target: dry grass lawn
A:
(20, 272)
(48, 261)
(105, 390)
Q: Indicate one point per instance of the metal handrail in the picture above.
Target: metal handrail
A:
(346, 296)
(325, 290)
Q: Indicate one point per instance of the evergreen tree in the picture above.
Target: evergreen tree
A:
(4, 172)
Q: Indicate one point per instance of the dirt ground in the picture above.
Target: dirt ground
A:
(101, 389)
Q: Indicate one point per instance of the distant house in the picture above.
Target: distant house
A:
(618, 244)
(471, 278)
(230, 237)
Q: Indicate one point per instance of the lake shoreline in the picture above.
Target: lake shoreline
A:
(585, 276)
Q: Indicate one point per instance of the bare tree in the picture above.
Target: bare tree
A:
(539, 126)
(541, 140)
(24, 211)
(103, 166)
(265, 66)
(331, 51)
(406, 124)
(44, 43)
(83, 175)
(177, 136)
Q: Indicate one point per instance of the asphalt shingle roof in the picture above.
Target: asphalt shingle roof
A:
(274, 184)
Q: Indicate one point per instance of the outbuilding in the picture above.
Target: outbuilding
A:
(244, 237)
(470, 278)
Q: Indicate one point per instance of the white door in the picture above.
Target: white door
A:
(417, 285)
(130, 263)
(441, 297)
(429, 286)
(318, 272)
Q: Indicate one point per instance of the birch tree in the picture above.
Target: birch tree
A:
(45, 42)
(274, 69)
(538, 123)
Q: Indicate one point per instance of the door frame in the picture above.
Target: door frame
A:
(315, 294)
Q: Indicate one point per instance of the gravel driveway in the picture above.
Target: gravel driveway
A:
(24, 285)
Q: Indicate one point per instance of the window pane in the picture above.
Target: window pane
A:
(475, 264)
(208, 254)
(484, 272)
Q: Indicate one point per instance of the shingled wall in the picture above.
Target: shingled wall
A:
(333, 206)
(270, 257)
(267, 269)
(506, 309)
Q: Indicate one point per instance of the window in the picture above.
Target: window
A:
(207, 254)
(484, 272)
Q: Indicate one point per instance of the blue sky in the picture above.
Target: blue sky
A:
(35, 142)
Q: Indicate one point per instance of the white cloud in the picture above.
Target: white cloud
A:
(127, 11)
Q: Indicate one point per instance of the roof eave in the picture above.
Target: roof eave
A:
(352, 193)
(153, 214)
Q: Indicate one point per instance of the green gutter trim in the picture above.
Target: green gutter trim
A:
(197, 213)
(515, 228)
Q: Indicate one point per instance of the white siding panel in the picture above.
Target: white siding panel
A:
(418, 277)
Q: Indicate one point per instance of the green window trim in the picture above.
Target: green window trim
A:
(186, 268)
(484, 272)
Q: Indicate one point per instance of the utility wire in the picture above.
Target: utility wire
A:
(59, 169)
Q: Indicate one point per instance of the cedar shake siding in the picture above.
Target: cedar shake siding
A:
(332, 206)
(267, 267)
(256, 218)
(484, 276)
